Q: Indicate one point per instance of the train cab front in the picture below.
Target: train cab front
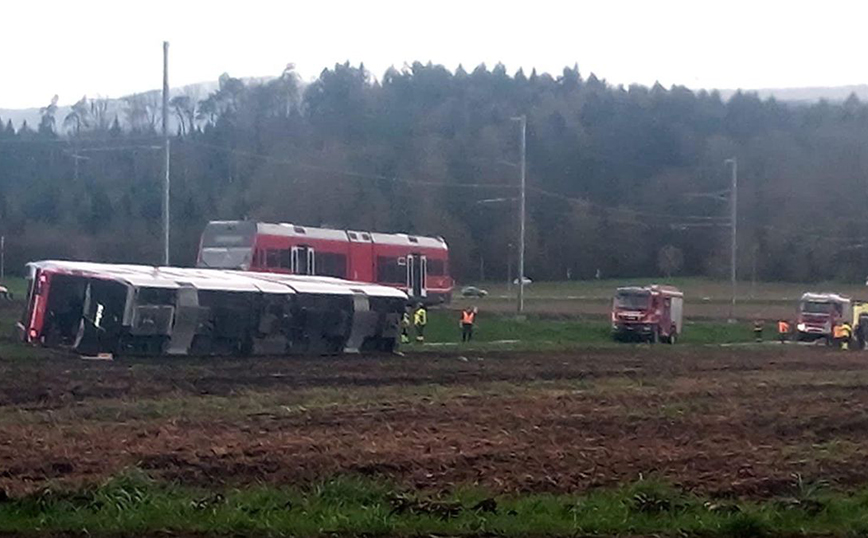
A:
(74, 312)
(31, 327)
(227, 245)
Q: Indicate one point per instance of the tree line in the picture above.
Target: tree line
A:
(622, 181)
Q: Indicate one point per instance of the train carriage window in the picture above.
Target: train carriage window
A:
(155, 296)
(285, 259)
(389, 272)
(436, 267)
(331, 264)
(353, 236)
(366, 237)
(272, 258)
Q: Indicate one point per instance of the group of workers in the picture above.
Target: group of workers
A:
(417, 318)
(842, 333)
(783, 330)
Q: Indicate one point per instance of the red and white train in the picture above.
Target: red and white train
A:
(414, 264)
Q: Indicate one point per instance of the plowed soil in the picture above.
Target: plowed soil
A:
(738, 421)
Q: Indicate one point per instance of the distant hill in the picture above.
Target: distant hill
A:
(197, 91)
(808, 95)
(201, 90)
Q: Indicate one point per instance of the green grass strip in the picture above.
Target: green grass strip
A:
(134, 504)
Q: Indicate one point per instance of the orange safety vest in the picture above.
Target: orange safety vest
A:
(841, 331)
(783, 327)
(467, 317)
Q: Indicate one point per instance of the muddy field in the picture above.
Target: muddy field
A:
(737, 421)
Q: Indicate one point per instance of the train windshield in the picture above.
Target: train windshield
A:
(816, 307)
(633, 300)
(227, 245)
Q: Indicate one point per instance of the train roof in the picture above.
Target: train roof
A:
(825, 297)
(295, 230)
(409, 240)
(653, 288)
(286, 229)
(146, 276)
(325, 284)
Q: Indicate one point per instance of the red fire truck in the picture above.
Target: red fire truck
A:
(652, 313)
(415, 264)
(819, 313)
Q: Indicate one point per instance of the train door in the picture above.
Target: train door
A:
(417, 270)
(187, 320)
(303, 260)
(100, 317)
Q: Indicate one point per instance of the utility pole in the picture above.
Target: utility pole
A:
(521, 212)
(167, 150)
(734, 226)
(509, 267)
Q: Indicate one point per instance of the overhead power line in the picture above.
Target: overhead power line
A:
(349, 173)
(395, 179)
(630, 211)
(72, 142)
(116, 148)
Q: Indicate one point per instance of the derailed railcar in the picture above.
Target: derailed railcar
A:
(140, 310)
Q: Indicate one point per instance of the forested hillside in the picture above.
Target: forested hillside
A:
(630, 181)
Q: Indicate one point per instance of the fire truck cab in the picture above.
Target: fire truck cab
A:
(653, 313)
(819, 313)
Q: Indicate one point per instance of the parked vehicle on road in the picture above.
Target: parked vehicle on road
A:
(473, 291)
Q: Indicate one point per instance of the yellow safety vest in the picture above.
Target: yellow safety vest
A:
(421, 317)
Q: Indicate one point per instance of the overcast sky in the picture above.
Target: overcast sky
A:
(113, 48)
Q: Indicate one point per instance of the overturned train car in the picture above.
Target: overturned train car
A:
(94, 308)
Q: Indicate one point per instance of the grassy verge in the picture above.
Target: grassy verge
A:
(493, 332)
(535, 331)
(350, 506)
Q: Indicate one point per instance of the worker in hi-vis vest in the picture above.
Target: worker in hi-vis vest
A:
(841, 334)
(420, 320)
(783, 329)
(405, 326)
(468, 318)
